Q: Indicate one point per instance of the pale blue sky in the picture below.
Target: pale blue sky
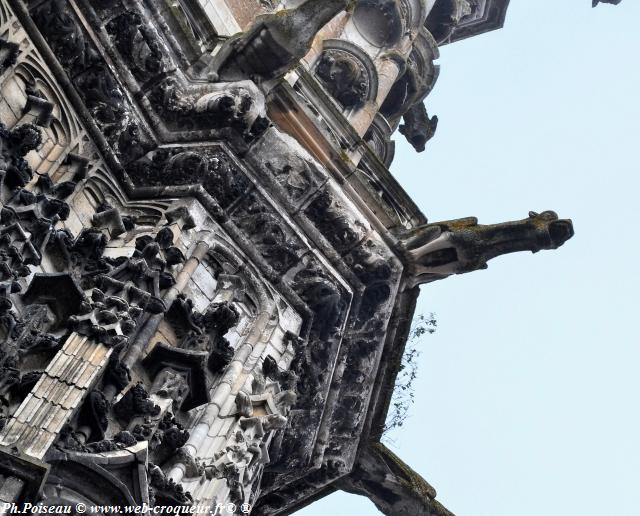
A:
(527, 398)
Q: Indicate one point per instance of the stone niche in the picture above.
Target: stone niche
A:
(379, 22)
(347, 73)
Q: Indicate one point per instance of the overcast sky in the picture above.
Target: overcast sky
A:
(527, 398)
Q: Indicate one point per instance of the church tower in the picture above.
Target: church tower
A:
(207, 271)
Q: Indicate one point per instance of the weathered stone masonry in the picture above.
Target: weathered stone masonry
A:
(207, 272)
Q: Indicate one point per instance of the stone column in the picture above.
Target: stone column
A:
(389, 68)
(221, 16)
(201, 436)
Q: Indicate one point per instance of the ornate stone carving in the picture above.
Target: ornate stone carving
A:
(60, 190)
(205, 332)
(272, 238)
(179, 373)
(323, 297)
(9, 52)
(275, 43)
(216, 321)
(138, 44)
(344, 77)
(14, 145)
(92, 77)
(135, 403)
(459, 246)
(109, 218)
(335, 222)
(278, 155)
(125, 288)
(170, 433)
(418, 128)
(93, 416)
(170, 97)
(66, 38)
(72, 441)
(117, 372)
(177, 166)
(267, 220)
(242, 460)
(237, 105)
(296, 181)
(165, 492)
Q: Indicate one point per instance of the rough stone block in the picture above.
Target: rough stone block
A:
(11, 489)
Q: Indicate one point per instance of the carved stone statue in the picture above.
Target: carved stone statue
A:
(418, 128)
(343, 77)
(439, 250)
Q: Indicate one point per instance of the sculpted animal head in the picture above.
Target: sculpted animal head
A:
(557, 230)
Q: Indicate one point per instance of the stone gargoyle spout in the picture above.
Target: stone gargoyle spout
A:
(442, 249)
(275, 43)
(594, 3)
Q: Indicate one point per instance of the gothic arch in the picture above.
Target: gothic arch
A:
(256, 289)
(119, 478)
(100, 189)
(32, 73)
(44, 105)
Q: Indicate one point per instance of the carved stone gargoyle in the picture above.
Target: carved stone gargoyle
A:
(275, 43)
(394, 488)
(418, 128)
(438, 250)
(594, 3)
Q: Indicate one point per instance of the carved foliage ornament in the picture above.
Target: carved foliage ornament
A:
(177, 166)
(273, 239)
(8, 54)
(137, 43)
(91, 75)
(335, 222)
